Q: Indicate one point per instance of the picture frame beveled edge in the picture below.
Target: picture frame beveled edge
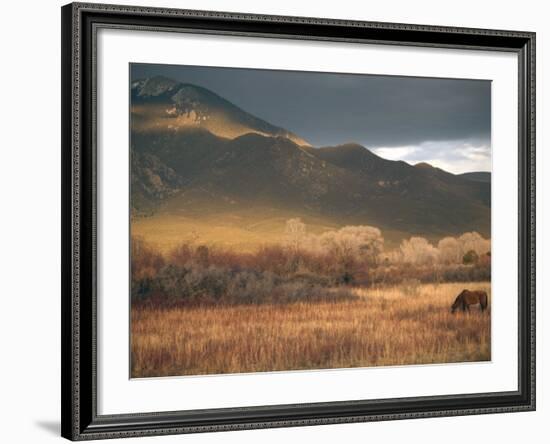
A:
(79, 415)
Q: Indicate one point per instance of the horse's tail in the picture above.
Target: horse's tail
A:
(483, 300)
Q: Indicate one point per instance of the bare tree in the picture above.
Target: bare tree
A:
(450, 250)
(295, 233)
(474, 241)
(352, 246)
(417, 250)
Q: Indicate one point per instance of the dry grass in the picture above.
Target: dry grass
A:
(243, 230)
(406, 324)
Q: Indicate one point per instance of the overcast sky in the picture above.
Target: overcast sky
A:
(445, 122)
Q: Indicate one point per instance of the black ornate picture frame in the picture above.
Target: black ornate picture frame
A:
(80, 420)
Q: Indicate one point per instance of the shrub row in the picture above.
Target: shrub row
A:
(196, 275)
(195, 285)
(426, 274)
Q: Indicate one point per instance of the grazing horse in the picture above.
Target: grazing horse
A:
(467, 298)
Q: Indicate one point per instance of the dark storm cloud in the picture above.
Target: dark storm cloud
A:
(376, 111)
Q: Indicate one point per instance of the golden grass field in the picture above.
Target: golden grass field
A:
(405, 324)
(244, 230)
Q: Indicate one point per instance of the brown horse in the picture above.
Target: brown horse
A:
(467, 298)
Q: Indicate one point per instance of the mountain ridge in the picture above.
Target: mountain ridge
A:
(160, 104)
(177, 171)
(478, 176)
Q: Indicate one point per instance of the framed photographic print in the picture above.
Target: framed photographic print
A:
(281, 221)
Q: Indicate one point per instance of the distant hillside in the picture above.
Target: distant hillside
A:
(477, 176)
(160, 104)
(191, 171)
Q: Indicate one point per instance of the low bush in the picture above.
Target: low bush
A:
(395, 274)
(202, 275)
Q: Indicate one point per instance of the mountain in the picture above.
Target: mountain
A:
(160, 104)
(190, 172)
(477, 176)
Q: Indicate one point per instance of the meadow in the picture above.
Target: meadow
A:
(337, 298)
(408, 323)
(242, 229)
